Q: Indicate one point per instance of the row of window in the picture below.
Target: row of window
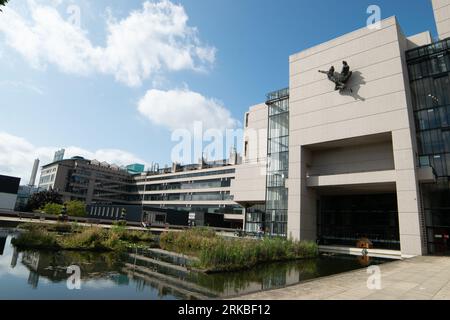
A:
(105, 212)
(207, 196)
(205, 184)
(47, 179)
(434, 141)
(433, 118)
(436, 65)
(426, 51)
(221, 209)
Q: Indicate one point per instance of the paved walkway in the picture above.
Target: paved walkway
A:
(421, 278)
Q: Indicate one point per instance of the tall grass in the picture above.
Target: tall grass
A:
(221, 254)
(73, 237)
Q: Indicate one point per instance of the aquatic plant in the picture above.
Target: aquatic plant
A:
(221, 254)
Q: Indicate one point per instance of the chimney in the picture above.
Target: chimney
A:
(34, 173)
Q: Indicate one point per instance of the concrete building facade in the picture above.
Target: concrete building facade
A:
(363, 161)
(198, 189)
(442, 15)
(360, 140)
(89, 181)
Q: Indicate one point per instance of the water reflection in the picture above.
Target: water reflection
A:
(2, 245)
(43, 275)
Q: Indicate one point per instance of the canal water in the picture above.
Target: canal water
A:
(44, 275)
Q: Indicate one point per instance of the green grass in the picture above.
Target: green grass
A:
(220, 254)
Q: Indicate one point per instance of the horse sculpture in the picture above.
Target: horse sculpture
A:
(339, 79)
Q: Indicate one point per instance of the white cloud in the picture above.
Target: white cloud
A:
(17, 156)
(149, 41)
(181, 108)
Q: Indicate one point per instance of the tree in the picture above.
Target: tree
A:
(3, 3)
(40, 199)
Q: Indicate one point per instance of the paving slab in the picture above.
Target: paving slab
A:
(420, 278)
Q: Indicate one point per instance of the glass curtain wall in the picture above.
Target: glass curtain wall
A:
(429, 71)
(278, 164)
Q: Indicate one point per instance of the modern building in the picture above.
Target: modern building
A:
(365, 161)
(202, 190)
(9, 186)
(89, 181)
(198, 193)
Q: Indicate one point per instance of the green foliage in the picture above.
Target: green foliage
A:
(95, 239)
(52, 208)
(220, 254)
(120, 223)
(40, 199)
(36, 237)
(65, 236)
(76, 208)
(187, 242)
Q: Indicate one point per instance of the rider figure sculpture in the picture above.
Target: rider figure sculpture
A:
(339, 79)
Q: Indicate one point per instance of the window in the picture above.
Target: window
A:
(247, 116)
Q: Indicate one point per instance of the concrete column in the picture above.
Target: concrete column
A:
(407, 194)
(302, 222)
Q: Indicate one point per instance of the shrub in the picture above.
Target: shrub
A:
(36, 238)
(52, 208)
(76, 208)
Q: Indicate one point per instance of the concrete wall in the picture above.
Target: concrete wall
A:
(379, 104)
(442, 15)
(352, 159)
(419, 40)
(250, 183)
(255, 133)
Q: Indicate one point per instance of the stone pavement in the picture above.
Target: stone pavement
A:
(421, 278)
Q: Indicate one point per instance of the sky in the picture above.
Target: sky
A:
(113, 80)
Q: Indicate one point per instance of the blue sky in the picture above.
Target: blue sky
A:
(66, 86)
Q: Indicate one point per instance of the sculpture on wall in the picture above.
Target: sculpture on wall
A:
(339, 79)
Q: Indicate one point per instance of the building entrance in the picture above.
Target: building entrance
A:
(346, 219)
